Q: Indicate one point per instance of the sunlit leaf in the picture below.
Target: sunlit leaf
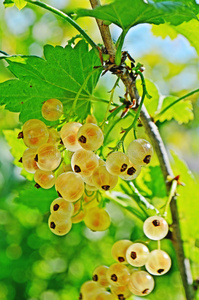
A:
(128, 13)
(182, 111)
(19, 3)
(65, 73)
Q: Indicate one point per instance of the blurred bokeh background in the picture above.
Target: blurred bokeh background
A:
(35, 264)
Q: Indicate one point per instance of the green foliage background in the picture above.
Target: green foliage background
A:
(34, 263)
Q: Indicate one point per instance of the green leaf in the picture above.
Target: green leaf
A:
(37, 198)
(187, 199)
(152, 103)
(65, 73)
(182, 111)
(17, 147)
(128, 13)
(19, 3)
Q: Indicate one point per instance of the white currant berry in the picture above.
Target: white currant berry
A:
(103, 180)
(131, 172)
(155, 228)
(35, 133)
(84, 162)
(52, 109)
(70, 186)
(117, 163)
(139, 152)
(59, 227)
(158, 263)
(90, 136)
(68, 135)
(48, 157)
(28, 160)
(137, 254)
(99, 275)
(44, 179)
(118, 274)
(119, 249)
(141, 283)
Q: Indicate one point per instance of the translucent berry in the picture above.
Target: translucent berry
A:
(103, 180)
(118, 250)
(131, 172)
(28, 161)
(70, 186)
(99, 275)
(62, 208)
(52, 109)
(59, 227)
(139, 152)
(141, 283)
(118, 274)
(158, 263)
(48, 157)
(35, 133)
(121, 292)
(90, 136)
(68, 135)
(97, 219)
(117, 163)
(88, 288)
(137, 254)
(84, 162)
(44, 179)
(155, 228)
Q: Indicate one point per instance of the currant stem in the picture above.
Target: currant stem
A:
(110, 103)
(171, 195)
(69, 20)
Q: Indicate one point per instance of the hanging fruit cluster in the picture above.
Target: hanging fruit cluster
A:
(123, 278)
(79, 184)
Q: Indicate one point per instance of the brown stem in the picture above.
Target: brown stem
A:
(105, 32)
(156, 140)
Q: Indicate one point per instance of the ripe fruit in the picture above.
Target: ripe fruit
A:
(119, 249)
(35, 133)
(70, 186)
(52, 109)
(141, 283)
(90, 136)
(131, 172)
(84, 162)
(44, 179)
(118, 274)
(139, 152)
(62, 208)
(48, 157)
(88, 288)
(68, 135)
(103, 180)
(97, 219)
(137, 254)
(28, 161)
(99, 275)
(117, 163)
(155, 228)
(59, 227)
(121, 292)
(158, 263)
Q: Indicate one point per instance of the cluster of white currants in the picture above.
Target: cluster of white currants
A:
(122, 279)
(87, 172)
